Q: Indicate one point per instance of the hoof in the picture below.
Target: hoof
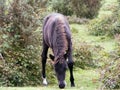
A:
(45, 82)
(72, 85)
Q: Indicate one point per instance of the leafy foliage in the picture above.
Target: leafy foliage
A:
(20, 38)
(85, 55)
(110, 75)
(62, 6)
(107, 25)
(86, 8)
(100, 27)
(81, 8)
(73, 19)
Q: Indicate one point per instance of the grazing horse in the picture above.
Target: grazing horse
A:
(57, 36)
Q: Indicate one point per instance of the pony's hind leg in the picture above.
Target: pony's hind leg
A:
(44, 59)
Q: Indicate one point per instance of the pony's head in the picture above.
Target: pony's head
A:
(60, 67)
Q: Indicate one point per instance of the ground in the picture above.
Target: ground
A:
(84, 80)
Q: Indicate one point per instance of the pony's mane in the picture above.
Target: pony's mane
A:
(61, 39)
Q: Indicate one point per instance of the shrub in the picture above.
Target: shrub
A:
(101, 26)
(74, 19)
(81, 8)
(85, 55)
(107, 25)
(20, 46)
(62, 6)
(110, 74)
(86, 8)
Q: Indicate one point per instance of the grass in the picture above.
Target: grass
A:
(81, 33)
(84, 80)
(107, 7)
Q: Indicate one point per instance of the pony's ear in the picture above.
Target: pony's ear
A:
(51, 57)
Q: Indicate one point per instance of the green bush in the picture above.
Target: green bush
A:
(107, 25)
(20, 43)
(73, 19)
(86, 8)
(101, 26)
(62, 6)
(81, 8)
(110, 75)
(85, 55)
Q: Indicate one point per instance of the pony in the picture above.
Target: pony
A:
(57, 36)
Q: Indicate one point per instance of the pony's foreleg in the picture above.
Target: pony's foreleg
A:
(70, 65)
(44, 59)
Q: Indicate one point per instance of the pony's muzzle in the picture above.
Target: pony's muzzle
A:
(62, 85)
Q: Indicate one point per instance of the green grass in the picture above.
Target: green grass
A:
(108, 5)
(87, 79)
(80, 33)
(84, 80)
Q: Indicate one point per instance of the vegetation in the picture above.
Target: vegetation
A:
(82, 81)
(86, 8)
(20, 43)
(96, 43)
(62, 6)
(109, 26)
(110, 75)
(85, 54)
(81, 8)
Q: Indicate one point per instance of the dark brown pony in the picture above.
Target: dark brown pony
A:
(57, 36)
